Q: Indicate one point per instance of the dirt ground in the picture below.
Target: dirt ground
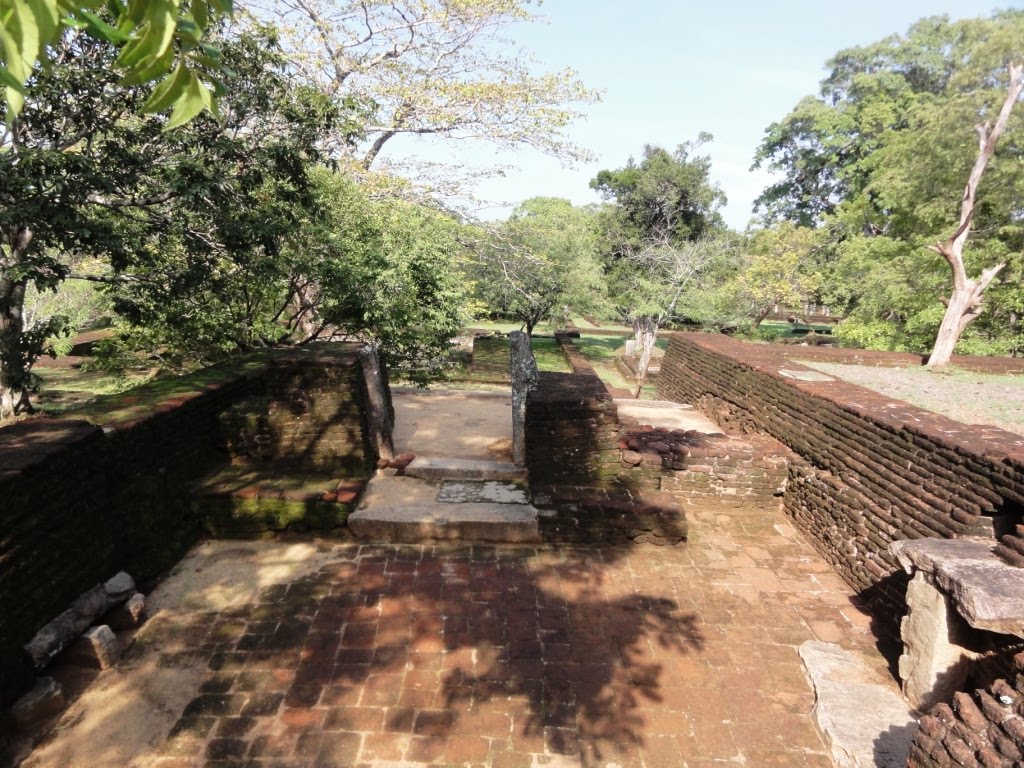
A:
(454, 423)
(971, 398)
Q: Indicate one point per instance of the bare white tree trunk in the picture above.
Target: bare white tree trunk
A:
(965, 302)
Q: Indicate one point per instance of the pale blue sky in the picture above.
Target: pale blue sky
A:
(669, 70)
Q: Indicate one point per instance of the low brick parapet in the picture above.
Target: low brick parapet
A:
(873, 470)
(107, 487)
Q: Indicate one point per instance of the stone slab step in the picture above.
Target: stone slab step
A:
(428, 468)
(865, 721)
(664, 414)
(511, 523)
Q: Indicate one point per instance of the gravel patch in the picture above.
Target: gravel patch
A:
(965, 396)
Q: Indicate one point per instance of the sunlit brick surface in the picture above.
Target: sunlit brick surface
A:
(502, 656)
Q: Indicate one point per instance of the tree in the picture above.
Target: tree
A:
(389, 272)
(541, 263)
(778, 269)
(964, 305)
(431, 68)
(662, 236)
(157, 39)
(666, 197)
(878, 163)
(177, 215)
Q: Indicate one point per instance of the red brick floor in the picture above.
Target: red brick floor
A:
(509, 657)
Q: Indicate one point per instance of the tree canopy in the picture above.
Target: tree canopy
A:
(879, 160)
(541, 264)
(157, 39)
(431, 69)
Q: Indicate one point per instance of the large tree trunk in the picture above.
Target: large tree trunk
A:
(12, 323)
(964, 304)
(760, 316)
(645, 328)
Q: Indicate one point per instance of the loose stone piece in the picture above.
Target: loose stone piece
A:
(99, 647)
(864, 721)
(83, 613)
(128, 616)
(45, 700)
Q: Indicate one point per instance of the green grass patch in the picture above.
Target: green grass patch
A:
(549, 356)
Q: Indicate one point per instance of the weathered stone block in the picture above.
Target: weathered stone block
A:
(98, 647)
(46, 699)
(128, 616)
(935, 660)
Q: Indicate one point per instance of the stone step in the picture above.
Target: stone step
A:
(437, 468)
(664, 414)
(408, 509)
(510, 523)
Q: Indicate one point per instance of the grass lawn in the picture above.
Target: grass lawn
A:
(63, 387)
(549, 356)
(601, 352)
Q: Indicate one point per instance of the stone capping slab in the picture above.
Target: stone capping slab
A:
(988, 593)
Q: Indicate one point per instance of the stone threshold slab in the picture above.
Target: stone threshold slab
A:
(512, 523)
(428, 468)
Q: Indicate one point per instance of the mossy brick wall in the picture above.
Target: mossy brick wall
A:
(572, 431)
(308, 415)
(872, 469)
(574, 459)
(107, 488)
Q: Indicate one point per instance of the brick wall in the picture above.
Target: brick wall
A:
(872, 469)
(610, 479)
(983, 728)
(692, 466)
(107, 488)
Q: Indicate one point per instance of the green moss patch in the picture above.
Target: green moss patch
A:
(246, 501)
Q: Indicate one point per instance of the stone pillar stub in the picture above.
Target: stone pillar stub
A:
(936, 656)
(523, 371)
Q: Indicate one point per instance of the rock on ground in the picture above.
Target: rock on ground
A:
(864, 721)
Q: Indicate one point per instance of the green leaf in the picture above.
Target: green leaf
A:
(98, 28)
(189, 104)
(150, 71)
(9, 80)
(200, 13)
(168, 91)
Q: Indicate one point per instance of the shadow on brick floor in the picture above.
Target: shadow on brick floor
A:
(471, 656)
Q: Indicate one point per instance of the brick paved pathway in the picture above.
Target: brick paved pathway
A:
(484, 656)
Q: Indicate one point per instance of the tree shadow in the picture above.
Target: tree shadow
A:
(549, 650)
